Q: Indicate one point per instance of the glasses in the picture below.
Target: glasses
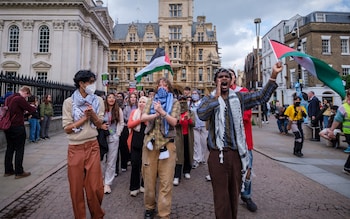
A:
(224, 76)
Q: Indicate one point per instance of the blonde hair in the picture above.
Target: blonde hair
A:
(144, 98)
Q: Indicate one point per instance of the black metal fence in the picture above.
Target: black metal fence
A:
(59, 92)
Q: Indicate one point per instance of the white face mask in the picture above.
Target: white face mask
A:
(90, 89)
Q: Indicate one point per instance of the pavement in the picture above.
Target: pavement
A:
(284, 186)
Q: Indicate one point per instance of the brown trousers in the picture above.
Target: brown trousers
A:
(226, 181)
(151, 167)
(84, 173)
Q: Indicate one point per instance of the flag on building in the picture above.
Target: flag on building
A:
(158, 62)
(316, 67)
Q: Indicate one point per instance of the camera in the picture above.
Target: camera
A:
(294, 32)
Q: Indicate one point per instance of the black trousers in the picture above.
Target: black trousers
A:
(347, 164)
(123, 152)
(187, 162)
(136, 163)
(16, 138)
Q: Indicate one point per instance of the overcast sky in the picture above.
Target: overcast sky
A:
(234, 20)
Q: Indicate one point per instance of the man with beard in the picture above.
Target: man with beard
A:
(228, 158)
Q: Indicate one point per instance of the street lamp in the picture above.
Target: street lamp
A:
(257, 22)
(296, 31)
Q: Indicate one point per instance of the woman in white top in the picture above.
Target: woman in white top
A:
(114, 122)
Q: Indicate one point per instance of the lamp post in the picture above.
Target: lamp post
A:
(257, 22)
(300, 80)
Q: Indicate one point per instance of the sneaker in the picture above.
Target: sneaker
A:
(176, 181)
(346, 171)
(195, 165)
(107, 189)
(251, 206)
(123, 170)
(347, 150)
(142, 189)
(187, 176)
(22, 175)
(116, 174)
(208, 178)
(149, 214)
(134, 193)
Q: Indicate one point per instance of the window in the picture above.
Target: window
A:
(200, 74)
(128, 74)
(128, 55)
(320, 17)
(175, 51)
(183, 73)
(345, 70)
(149, 54)
(150, 77)
(13, 38)
(200, 54)
(344, 44)
(175, 32)
(326, 45)
(208, 75)
(44, 39)
(200, 36)
(149, 37)
(114, 55)
(41, 76)
(10, 87)
(175, 10)
(166, 73)
(135, 55)
(132, 37)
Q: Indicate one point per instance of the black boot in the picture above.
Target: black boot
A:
(299, 146)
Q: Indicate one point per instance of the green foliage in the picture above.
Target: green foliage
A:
(347, 80)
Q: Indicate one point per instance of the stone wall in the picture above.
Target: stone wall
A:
(55, 127)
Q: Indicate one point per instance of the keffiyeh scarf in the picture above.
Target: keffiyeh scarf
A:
(166, 100)
(236, 113)
(80, 104)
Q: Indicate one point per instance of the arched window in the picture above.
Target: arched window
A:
(13, 38)
(44, 38)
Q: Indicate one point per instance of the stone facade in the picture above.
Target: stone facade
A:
(52, 40)
(191, 46)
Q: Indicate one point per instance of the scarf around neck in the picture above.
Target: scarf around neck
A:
(236, 114)
(80, 104)
(167, 105)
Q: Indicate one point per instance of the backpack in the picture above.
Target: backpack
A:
(5, 119)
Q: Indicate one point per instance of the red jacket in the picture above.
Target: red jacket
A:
(247, 119)
(18, 106)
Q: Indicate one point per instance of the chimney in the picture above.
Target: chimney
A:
(99, 3)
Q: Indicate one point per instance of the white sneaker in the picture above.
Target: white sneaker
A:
(176, 181)
(107, 189)
(134, 193)
(142, 189)
(187, 176)
(123, 170)
(195, 165)
(208, 178)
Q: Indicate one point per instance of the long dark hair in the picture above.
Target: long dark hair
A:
(114, 111)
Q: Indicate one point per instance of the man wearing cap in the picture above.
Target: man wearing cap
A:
(228, 160)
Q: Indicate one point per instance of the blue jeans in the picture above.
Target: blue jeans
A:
(247, 193)
(34, 133)
(282, 125)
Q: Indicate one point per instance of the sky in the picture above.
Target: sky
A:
(234, 20)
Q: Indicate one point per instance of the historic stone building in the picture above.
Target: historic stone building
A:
(191, 46)
(52, 40)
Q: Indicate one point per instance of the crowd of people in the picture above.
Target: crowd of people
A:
(163, 135)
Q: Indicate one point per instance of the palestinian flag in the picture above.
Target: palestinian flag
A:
(316, 67)
(158, 62)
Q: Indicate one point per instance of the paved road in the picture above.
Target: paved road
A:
(284, 186)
